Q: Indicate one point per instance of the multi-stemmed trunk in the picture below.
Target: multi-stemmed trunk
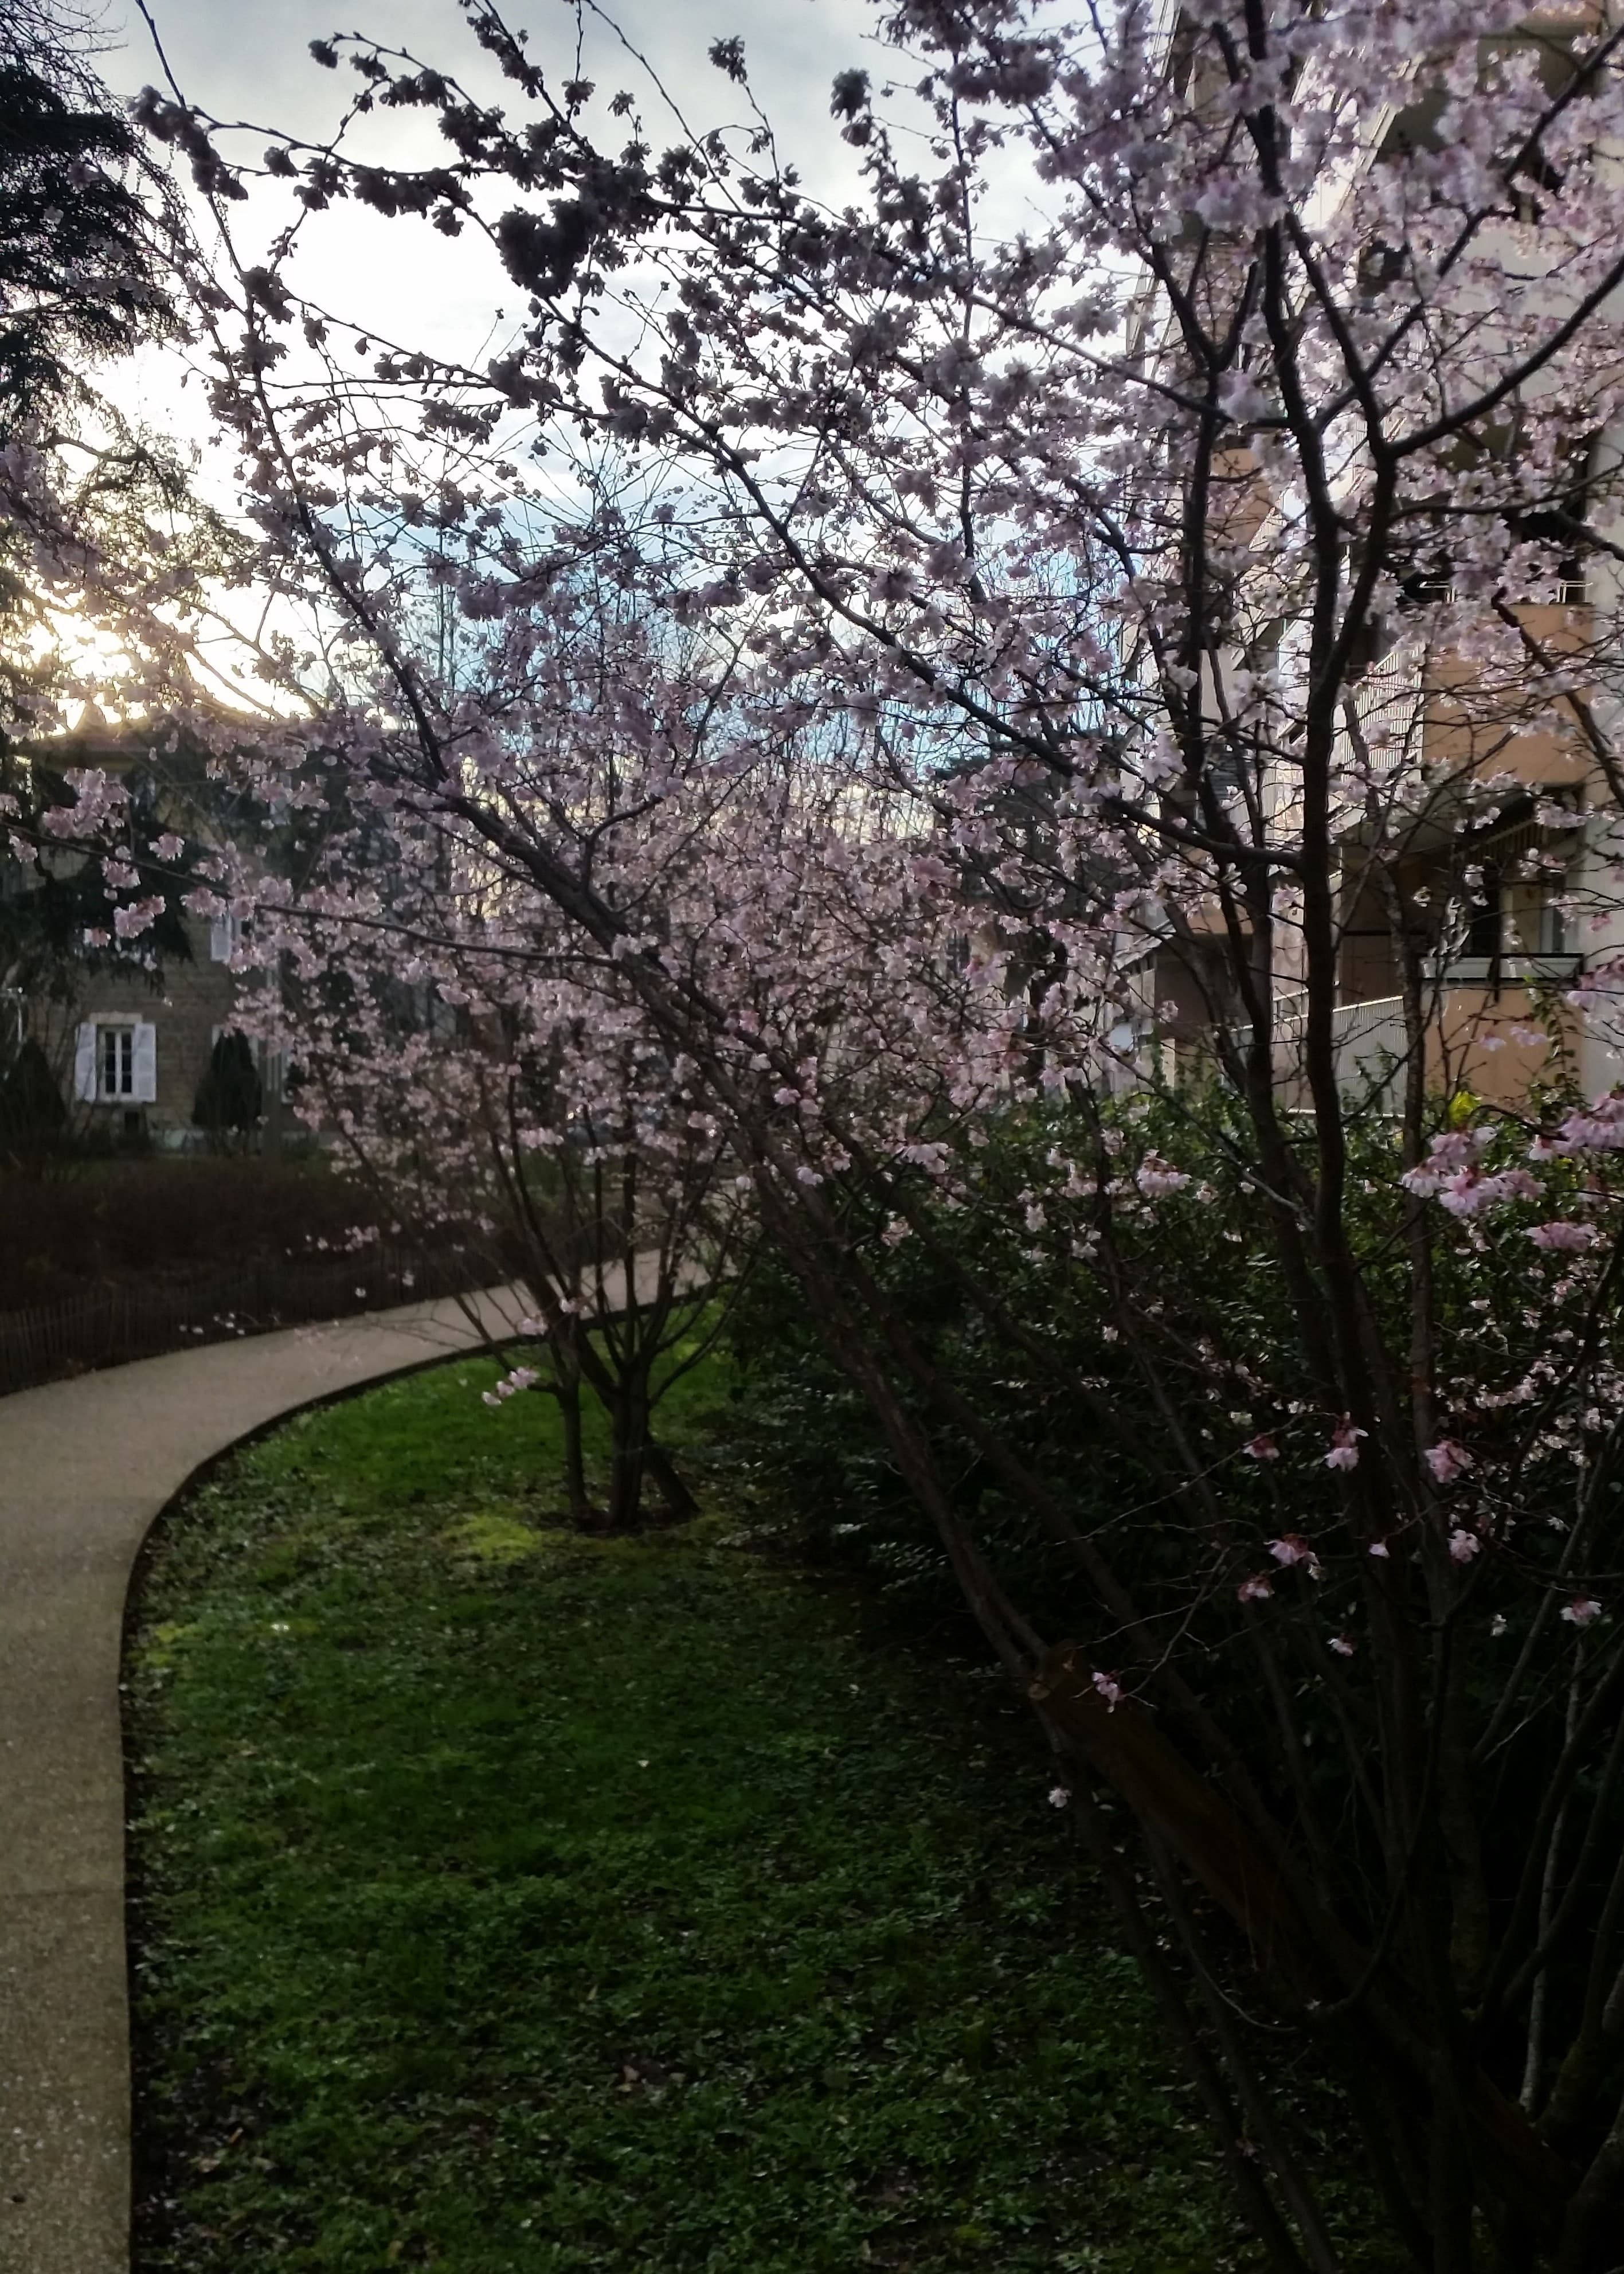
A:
(565, 1387)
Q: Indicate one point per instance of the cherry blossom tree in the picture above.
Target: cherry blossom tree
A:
(481, 1069)
(501, 1113)
(1055, 675)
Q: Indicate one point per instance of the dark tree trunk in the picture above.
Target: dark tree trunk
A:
(566, 1389)
(629, 1459)
(665, 1473)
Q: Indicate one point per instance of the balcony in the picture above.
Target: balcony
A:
(1388, 703)
(1368, 1042)
(1500, 971)
(1483, 1034)
(1422, 703)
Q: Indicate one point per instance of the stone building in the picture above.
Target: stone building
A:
(133, 1048)
(130, 1041)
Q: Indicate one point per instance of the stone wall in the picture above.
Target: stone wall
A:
(187, 1006)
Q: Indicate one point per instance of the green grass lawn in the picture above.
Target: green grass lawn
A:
(510, 1900)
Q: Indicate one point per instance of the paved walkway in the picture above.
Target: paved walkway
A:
(85, 1466)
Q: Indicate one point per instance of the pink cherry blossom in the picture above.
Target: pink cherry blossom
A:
(1446, 1460)
(1156, 1179)
(1344, 1452)
(1598, 1127)
(1456, 1150)
(1469, 1191)
(1564, 1236)
(1291, 1549)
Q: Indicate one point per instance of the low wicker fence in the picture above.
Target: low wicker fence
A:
(108, 1326)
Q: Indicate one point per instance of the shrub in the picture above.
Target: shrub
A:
(133, 1222)
(33, 1114)
(230, 1098)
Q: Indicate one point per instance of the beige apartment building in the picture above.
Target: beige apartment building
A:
(1517, 986)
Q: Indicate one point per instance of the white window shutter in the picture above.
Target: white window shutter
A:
(219, 940)
(145, 1062)
(85, 1063)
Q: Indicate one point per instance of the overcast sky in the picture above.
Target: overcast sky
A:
(233, 59)
(401, 280)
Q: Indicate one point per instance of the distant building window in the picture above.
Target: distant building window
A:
(1485, 926)
(116, 1062)
(226, 934)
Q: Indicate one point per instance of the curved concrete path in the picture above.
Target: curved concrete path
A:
(85, 1466)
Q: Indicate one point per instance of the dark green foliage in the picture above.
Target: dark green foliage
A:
(520, 1902)
(131, 1224)
(815, 1449)
(79, 279)
(95, 519)
(1195, 1284)
(32, 1113)
(1148, 1379)
(230, 1098)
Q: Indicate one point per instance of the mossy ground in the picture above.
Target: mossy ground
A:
(516, 1902)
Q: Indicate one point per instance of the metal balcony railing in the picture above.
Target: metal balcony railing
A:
(1507, 970)
(1368, 1042)
(1368, 1039)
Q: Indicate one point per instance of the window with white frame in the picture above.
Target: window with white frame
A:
(116, 1062)
(226, 934)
